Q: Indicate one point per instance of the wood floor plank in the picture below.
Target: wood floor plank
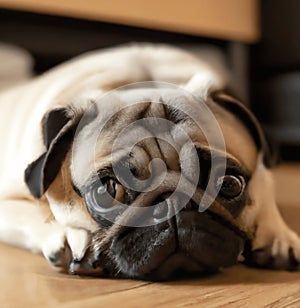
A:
(27, 278)
(235, 287)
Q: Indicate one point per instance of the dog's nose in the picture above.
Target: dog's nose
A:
(167, 205)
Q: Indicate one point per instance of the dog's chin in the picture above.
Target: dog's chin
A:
(187, 245)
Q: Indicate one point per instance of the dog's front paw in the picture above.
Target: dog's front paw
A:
(275, 249)
(65, 246)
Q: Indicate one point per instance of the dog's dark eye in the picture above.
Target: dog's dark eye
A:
(100, 192)
(105, 200)
(106, 195)
(230, 186)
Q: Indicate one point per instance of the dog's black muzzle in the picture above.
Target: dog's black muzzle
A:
(189, 242)
(184, 242)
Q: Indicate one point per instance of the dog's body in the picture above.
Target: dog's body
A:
(58, 222)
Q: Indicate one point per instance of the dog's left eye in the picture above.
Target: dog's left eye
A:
(230, 186)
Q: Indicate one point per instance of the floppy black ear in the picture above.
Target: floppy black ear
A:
(247, 117)
(58, 128)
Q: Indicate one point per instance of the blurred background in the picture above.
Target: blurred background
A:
(260, 41)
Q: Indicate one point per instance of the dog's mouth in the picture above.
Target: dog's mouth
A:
(188, 244)
(178, 265)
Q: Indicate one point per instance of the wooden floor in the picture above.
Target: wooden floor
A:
(27, 281)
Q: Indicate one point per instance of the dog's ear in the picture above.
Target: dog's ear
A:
(270, 157)
(58, 127)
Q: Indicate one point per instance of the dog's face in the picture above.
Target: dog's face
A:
(143, 223)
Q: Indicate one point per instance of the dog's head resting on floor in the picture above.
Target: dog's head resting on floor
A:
(161, 178)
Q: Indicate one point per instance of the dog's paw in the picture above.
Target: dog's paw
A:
(65, 246)
(278, 249)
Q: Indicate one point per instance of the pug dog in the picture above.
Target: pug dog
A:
(143, 181)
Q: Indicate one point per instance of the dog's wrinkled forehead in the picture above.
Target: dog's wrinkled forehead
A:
(155, 123)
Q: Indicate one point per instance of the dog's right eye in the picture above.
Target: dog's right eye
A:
(102, 193)
(105, 200)
(106, 195)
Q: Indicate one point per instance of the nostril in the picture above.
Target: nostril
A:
(189, 206)
(160, 210)
(161, 207)
(164, 206)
